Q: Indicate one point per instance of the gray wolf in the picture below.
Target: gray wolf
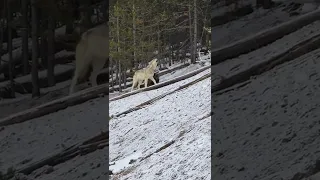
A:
(145, 74)
(91, 51)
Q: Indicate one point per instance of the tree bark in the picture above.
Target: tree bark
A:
(120, 77)
(194, 32)
(11, 65)
(44, 41)
(111, 73)
(193, 55)
(135, 63)
(35, 76)
(124, 78)
(51, 52)
(3, 14)
(25, 28)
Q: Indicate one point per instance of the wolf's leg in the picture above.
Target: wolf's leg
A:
(146, 82)
(73, 82)
(93, 78)
(97, 65)
(134, 82)
(153, 80)
(140, 82)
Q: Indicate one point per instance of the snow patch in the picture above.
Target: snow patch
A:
(122, 164)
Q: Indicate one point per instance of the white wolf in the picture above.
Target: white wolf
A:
(145, 74)
(91, 51)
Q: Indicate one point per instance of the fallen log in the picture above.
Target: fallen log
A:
(17, 54)
(180, 78)
(262, 38)
(80, 97)
(161, 73)
(130, 74)
(81, 148)
(16, 43)
(142, 105)
(23, 84)
(130, 81)
(56, 105)
(300, 49)
(231, 16)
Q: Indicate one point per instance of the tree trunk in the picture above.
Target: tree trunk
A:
(69, 23)
(120, 76)
(171, 59)
(124, 78)
(44, 43)
(190, 37)
(86, 13)
(11, 65)
(51, 52)
(25, 28)
(193, 60)
(3, 14)
(135, 63)
(111, 73)
(159, 58)
(35, 76)
(117, 72)
(118, 50)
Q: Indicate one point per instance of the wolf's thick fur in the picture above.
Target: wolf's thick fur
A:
(91, 51)
(145, 74)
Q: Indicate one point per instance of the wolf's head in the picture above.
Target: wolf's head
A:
(153, 63)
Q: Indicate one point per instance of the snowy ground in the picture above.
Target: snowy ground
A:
(131, 101)
(269, 129)
(176, 117)
(257, 21)
(276, 114)
(235, 65)
(23, 102)
(32, 140)
(91, 166)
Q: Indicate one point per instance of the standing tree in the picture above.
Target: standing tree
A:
(25, 27)
(34, 33)
(193, 60)
(51, 50)
(11, 65)
(2, 30)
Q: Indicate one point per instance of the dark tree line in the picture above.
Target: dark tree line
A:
(32, 23)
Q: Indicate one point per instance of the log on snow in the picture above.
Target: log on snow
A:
(16, 59)
(159, 85)
(24, 83)
(262, 38)
(72, 151)
(17, 54)
(300, 49)
(142, 105)
(129, 80)
(161, 73)
(56, 105)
